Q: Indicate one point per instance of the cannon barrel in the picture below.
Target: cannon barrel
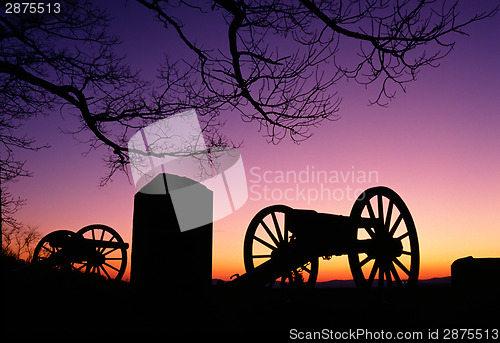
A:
(325, 234)
(103, 244)
(281, 262)
(298, 220)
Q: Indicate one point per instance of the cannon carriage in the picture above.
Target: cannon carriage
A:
(95, 249)
(379, 237)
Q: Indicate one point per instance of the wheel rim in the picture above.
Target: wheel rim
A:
(385, 270)
(109, 262)
(52, 248)
(267, 233)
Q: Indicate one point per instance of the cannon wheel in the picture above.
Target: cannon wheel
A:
(108, 262)
(266, 232)
(50, 245)
(385, 204)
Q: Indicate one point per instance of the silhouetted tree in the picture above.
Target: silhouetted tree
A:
(11, 169)
(278, 64)
(65, 61)
(19, 242)
(279, 61)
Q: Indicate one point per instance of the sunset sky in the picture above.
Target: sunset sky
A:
(437, 146)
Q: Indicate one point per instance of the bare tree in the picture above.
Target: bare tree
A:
(20, 242)
(11, 169)
(50, 60)
(66, 61)
(279, 64)
(281, 61)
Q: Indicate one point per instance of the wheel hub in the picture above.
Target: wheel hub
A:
(97, 259)
(385, 248)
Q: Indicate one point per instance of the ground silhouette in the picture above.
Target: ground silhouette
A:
(52, 303)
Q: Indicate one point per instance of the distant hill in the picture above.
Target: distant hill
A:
(336, 284)
(434, 282)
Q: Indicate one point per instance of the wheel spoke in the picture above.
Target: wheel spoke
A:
(110, 266)
(381, 274)
(380, 207)
(102, 240)
(105, 272)
(277, 227)
(110, 251)
(365, 261)
(403, 236)
(263, 242)
(400, 265)
(270, 234)
(389, 215)
(370, 209)
(79, 268)
(373, 273)
(388, 277)
(396, 224)
(261, 256)
(370, 231)
(395, 274)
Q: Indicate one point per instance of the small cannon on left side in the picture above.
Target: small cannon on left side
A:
(96, 249)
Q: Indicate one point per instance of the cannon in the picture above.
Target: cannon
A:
(283, 245)
(95, 249)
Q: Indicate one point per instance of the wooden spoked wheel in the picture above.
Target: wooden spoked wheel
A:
(106, 252)
(266, 234)
(53, 249)
(394, 259)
